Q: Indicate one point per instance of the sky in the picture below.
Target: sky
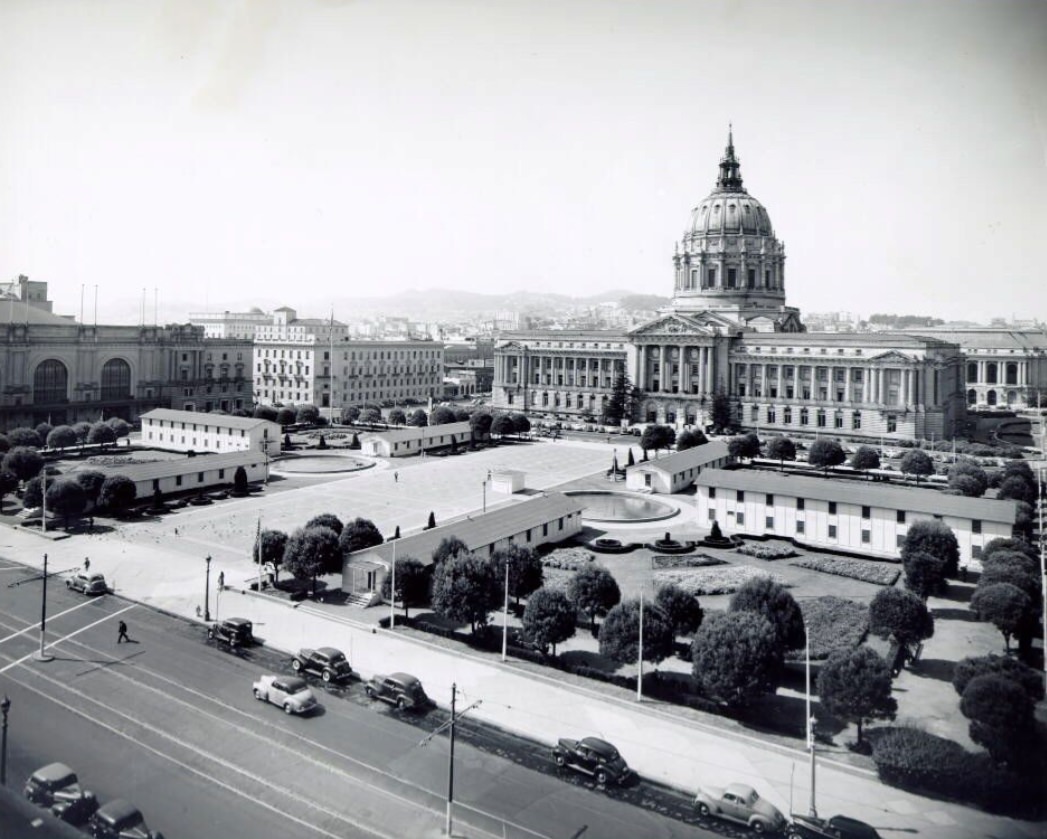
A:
(222, 154)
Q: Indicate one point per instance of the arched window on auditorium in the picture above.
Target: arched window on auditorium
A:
(116, 380)
(972, 371)
(990, 373)
(1011, 373)
(50, 383)
(972, 396)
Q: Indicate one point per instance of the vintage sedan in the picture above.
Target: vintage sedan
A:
(329, 664)
(87, 583)
(740, 803)
(289, 692)
(400, 689)
(120, 819)
(592, 756)
(56, 786)
(836, 827)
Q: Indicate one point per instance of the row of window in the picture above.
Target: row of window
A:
(354, 355)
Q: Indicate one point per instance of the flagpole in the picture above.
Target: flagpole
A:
(258, 552)
(639, 669)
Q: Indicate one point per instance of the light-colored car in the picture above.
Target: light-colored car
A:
(289, 692)
(740, 803)
(93, 583)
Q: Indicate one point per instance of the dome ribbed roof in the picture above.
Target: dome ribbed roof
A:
(729, 208)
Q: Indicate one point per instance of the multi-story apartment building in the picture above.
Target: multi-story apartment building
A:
(230, 324)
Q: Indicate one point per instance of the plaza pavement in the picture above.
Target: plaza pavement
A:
(160, 563)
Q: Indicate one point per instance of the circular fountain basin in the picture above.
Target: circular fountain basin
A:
(320, 464)
(621, 506)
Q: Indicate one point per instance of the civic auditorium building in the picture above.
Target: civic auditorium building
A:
(728, 330)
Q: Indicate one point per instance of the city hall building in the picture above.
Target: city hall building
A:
(729, 330)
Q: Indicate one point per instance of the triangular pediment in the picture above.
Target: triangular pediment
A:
(674, 325)
(893, 355)
(512, 346)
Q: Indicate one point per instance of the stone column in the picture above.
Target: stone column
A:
(781, 380)
(685, 370)
(913, 389)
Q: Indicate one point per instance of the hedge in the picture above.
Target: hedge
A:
(857, 569)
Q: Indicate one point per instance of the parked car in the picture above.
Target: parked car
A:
(400, 689)
(289, 692)
(120, 819)
(837, 827)
(87, 583)
(593, 757)
(740, 803)
(236, 632)
(329, 664)
(57, 787)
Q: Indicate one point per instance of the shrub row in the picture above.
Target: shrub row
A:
(767, 551)
(916, 760)
(857, 569)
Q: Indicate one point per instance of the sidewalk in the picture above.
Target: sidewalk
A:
(146, 563)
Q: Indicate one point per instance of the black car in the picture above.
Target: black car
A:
(837, 827)
(236, 632)
(593, 757)
(57, 787)
(400, 689)
(120, 819)
(329, 664)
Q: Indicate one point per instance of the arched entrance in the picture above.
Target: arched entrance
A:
(50, 383)
(116, 380)
(972, 396)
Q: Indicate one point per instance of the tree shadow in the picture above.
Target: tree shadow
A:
(957, 592)
(933, 668)
(948, 614)
(585, 658)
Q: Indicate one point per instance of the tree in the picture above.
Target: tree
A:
(924, 573)
(737, 657)
(855, 685)
(121, 427)
(901, 616)
(657, 437)
(5, 444)
(33, 494)
(681, 608)
(441, 415)
(1002, 604)
(101, 434)
(620, 633)
(772, 600)
(1031, 680)
(744, 445)
(968, 478)
(824, 454)
(1001, 544)
(61, 437)
(91, 480)
(721, 412)
(350, 414)
(26, 437)
(593, 590)
(117, 494)
(461, 414)
(449, 546)
(432, 521)
(502, 425)
(865, 458)
(917, 462)
(8, 483)
(306, 414)
(358, 534)
(465, 590)
(286, 416)
(240, 481)
(326, 520)
(265, 412)
(355, 443)
(781, 449)
(1001, 715)
(24, 461)
(549, 619)
(1015, 488)
(412, 583)
(418, 419)
(521, 425)
(690, 438)
(310, 552)
(937, 539)
(42, 430)
(621, 405)
(480, 424)
(82, 429)
(66, 498)
(269, 547)
(525, 570)
(371, 416)
(397, 416)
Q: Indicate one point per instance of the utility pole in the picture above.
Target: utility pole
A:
(450, 764)
(639, 663)
(41, 654)
(810, 717)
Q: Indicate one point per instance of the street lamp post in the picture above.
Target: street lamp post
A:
(810, 718)
(5, 706)
(485, 495)
(505, 612)
(207, 591)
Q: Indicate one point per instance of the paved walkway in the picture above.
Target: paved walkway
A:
(162, 564)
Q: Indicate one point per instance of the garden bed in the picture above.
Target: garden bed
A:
(857, 569)
(834, 624)
(771, 551)
(710, 581)
(568, 559)
(659, 562)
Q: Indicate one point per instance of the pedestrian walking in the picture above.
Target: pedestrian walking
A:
(396, 477)
(123, 633)
(87, 564)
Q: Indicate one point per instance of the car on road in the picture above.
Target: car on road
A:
(87, 583)
(289, 692)
(592, 756)
(400, 689)
(740, 803)
(236, 632)
(57, 787)
(120, 819)
(329, 664)
(837, 827)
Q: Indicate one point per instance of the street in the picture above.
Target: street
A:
(168, 722)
